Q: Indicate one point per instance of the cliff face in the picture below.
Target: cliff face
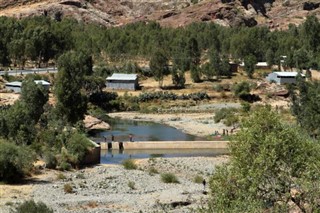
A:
(275, 14)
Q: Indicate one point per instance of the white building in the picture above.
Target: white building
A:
(15, 86)
(283, 77)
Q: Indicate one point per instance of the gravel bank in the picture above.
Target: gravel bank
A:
(106, 188)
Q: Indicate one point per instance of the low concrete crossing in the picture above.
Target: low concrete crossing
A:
(165, 145)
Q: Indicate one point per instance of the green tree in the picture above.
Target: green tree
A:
(195, 74)
(193, 51)
(178, 78)
(159, 66)
(15, 161)
(270, 57)
(249, 65)
(241, 89)
(311, 32)
(35, 97)
(273, 167)
(305, 106)
(71, 102)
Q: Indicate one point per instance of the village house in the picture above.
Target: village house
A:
(123, 81)
(283, 77)
(15, 86)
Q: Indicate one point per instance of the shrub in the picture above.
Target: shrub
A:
(50, 160)
(61, 176)
(132, 185)
(31, 206)
(15, 161)
(223, 113)
(169, 178)
(68, 188)
(242, 89)
(78, 145)
(152, 170)
(218, 88)
(198, 179)
(129, 164)
(65, 166)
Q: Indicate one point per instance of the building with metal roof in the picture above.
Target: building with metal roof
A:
(123, 81)
(283, 77)
(15, 86)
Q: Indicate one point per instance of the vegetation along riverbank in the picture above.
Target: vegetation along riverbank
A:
(203, 78)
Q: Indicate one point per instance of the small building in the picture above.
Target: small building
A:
(15, 86)
(233, 67)
(123, 81)
(283, 77)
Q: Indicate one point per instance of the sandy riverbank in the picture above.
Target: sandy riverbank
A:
(105, 188)
(200, 124)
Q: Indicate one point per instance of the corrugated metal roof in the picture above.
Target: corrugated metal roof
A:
(14, 83)
(19, 83)
(123, 76)
(288, 74)
(44, 83)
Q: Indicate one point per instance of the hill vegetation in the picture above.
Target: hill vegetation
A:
(273, 164)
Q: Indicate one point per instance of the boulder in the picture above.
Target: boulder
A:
(91, 122)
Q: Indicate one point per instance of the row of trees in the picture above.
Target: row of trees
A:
(54, 132)
(41, 39)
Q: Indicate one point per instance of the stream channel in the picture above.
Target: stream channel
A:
(147, 131)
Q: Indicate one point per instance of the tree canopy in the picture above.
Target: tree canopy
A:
(273, 166)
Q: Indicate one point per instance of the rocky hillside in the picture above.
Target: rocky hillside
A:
(275, 14)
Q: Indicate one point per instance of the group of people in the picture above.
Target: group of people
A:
(112, 138)
(224, 132)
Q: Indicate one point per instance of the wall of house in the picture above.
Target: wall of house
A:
(273, 77)
(14, 89)
(129, 85)
(287, 80)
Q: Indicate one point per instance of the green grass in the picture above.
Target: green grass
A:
(169, 178)
(198, 179)
(152, 171)
(132, 185)
(129, 164)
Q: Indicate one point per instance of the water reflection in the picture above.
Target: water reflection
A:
(117, 156)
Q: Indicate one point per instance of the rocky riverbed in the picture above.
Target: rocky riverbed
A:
(112, 188)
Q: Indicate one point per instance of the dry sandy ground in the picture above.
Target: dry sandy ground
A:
(105, 188)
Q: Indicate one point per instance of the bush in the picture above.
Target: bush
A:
(198, 179)
(15, 161)
(65, 166)
(223, 113)
(129, 164)
(78, 145)
(61, 176)
(169, 178)
(68, 188)
(152, 170)
(31, 206)
(50, 159)
(242, 89)
(218, 88)
(132, 185)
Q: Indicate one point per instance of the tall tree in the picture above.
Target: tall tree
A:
(305, 106)
(71, 102)
(35, 97)
(249, 65)
(273, 168)
(159, 66)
